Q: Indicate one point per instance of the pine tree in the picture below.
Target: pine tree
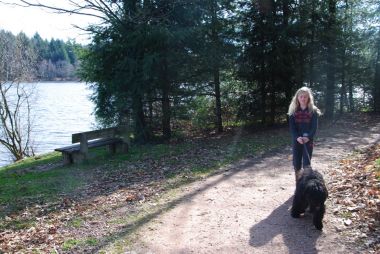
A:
(376, 93)
(331, 59)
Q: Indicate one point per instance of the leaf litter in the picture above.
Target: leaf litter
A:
(355, 193)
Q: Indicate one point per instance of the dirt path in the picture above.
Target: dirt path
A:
(245, 209)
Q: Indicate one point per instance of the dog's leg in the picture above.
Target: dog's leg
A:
(319, 212)
(298, 206)
(298, 174)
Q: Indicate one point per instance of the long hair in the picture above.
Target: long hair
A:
(294, 105)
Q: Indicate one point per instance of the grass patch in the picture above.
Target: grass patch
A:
(70, 244)
(76, 222)
(33, 162)
(75, 243)
(27, 182)
(347, 215)
(377, 169)
(20, 189)
(16, 224)
(137, 153)
(43, 179)
(91, 241)
(118, 221)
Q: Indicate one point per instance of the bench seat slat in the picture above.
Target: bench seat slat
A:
(91, 144)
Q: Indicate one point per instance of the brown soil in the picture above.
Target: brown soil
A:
(245, 208)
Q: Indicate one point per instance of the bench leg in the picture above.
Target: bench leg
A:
(70, 158)
(67, 158)
(111, 148)
(124, 147)
(117, 148)
(78, 157)
(121, 148)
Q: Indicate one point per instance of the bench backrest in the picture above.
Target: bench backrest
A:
(89, 135)
(83, 137)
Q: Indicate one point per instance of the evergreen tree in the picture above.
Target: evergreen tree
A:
(146, 54)
(215, 48)
(267, 63)
(330, 43)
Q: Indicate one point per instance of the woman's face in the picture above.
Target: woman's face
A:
(303, 99)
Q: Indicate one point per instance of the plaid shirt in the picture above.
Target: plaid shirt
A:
(303, 124)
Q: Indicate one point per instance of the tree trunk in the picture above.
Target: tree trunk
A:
(351, 106)
(273, 60)
(140, 125)
(346, 60)
(376, 86)
(273, 101)
(312, 80)
(166, 129)
(150, 110)
(218, 103)
(351, 95)
(331, 60)
(216, 68)
(342, 96)
(287, 80)
(262, 87)
(261, 76)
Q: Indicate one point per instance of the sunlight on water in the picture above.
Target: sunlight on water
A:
(60, 109)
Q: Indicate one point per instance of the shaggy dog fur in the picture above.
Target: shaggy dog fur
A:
(310, 192)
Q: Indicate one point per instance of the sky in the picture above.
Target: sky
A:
(49, 25)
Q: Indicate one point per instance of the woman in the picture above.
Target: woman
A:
(303, 120)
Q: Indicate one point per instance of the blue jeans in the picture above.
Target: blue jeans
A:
(302, 154)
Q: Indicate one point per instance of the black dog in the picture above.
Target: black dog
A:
(310, 192)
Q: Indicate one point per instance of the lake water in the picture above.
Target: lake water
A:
(60, 109)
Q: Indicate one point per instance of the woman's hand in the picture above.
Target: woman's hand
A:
(300, 140)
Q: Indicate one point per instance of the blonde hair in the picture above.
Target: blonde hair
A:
(294, 105)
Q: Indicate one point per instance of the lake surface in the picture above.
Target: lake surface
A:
(60, 109)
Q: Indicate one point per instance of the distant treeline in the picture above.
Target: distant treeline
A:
(53, 60)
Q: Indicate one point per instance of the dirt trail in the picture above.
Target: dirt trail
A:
(245, 209)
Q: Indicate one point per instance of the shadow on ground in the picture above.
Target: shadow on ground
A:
(280, 224)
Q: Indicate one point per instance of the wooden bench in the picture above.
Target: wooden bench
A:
(111, 137)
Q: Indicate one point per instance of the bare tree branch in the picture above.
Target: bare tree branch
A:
(93, 8)
(16, 64)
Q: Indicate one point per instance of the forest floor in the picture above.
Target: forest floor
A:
(171, 204)
(246, 208)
